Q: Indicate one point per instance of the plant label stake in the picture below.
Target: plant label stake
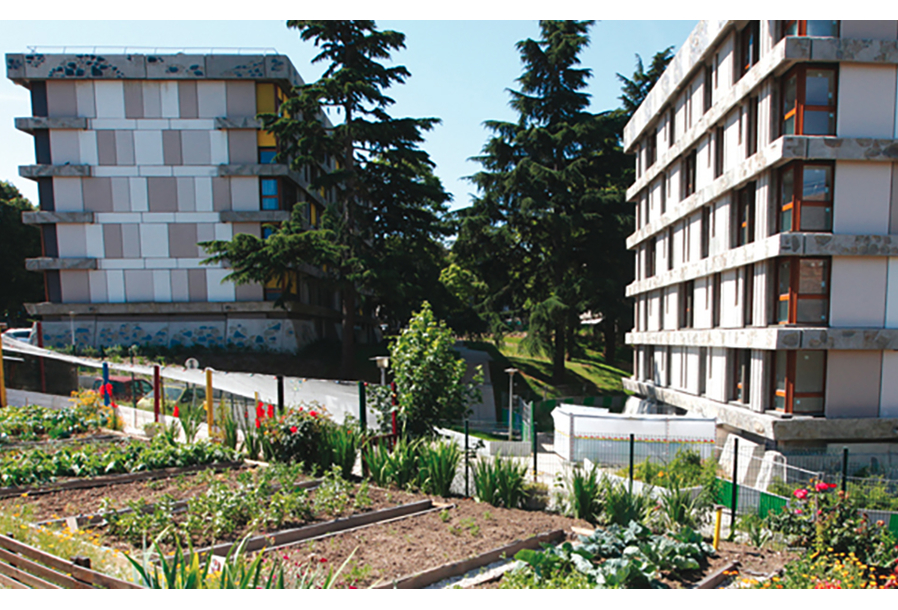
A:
(363, 411)
(280, 379)
(632, 448)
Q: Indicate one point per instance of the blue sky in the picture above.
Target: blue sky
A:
(460, 72)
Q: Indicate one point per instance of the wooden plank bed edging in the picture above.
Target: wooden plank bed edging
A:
(77, 572)
(309, 531)
(715, 578)
(113, 479)
(426, 578)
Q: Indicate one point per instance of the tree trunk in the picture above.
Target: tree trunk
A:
(608, 328)
(347, 355)
(559, 353)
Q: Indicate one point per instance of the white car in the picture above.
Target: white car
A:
(19, 334)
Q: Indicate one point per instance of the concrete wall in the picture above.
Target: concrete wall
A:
(862, 198)
(866, 103)
(858, 291)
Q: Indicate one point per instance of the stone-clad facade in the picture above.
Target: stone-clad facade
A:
(766, 241)
(139, 158)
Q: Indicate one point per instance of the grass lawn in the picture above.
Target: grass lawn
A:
(587, 375)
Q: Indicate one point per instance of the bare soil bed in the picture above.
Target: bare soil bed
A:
(388, 551)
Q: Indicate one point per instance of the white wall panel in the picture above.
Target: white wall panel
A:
(211, 99)
(87, 143)
(148, 147)
(162, 286)
(98, 286)
(138, 192)
(888, 398)
(94, 240)
(72, 240)
(861, 198)
(168, 92)
(110, 99)
(115, 286)
(84, 96)
(154, 240)
(892, 294)
(203, 194)
(67, 195)
(216, 290)
(65, 147)
(866, 101)
(219, 143)
(223, 231)
(245, 194)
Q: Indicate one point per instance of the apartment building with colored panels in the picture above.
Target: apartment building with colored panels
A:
(139, 157)
(766, 240)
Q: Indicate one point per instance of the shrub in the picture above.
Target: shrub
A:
(438, 463)
(398, 467)
(620, 507)
(582, 497)
(340, 446)
(500, 482)
(297, 436)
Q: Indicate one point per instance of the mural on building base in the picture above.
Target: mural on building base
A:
(274, 335)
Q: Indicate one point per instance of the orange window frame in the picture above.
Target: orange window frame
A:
(792, 294)
(788, 393)
(798, 200)
(797, 111)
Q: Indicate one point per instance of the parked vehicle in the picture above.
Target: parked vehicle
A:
(19, 334)
(123, 387)
(182, 395)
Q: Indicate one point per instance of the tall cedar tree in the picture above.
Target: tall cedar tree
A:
(387, 200)
(538, 188)
(18, 241)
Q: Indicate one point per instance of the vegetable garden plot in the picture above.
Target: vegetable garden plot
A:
(392, 550)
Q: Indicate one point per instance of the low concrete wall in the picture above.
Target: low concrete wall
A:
(486, 447)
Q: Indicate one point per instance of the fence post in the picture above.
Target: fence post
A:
(844, 470)
(632, 455)
(735, 487)
(2, 380)
(363, 411)
(533, 440)
(40, 360)
(280, 379)
(157, 389)
(133, 349)
(394, 401)
(210, 417)
(467, 495)
(106, 386)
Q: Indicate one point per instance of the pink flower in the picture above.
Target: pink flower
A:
(822, 486)
(293, 429)
(797, 511)
(801, 493)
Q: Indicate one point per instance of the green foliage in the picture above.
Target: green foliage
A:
(18, 241)
(582, 494)
(622, 507)
(679, 508)
(340, 446)
(755, 529)
(33, 422)
(429, 375)
(332, 496)
(500, 482)
(438, 462)
(636, 89)
(39, 466)
(685, 470)
(614, 558)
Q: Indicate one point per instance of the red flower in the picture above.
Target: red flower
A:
(176, 412)
(258, 423)
(260, 412)
(801, 493)
(823, 486)
(270, 410)
(313, 414)
(323, 560)
(293, 429)
(797, 511)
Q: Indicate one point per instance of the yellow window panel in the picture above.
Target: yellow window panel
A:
(266, 139)
(265, 97)
(314, 214)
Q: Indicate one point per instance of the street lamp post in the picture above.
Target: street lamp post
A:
(383, 362)
(511, 373)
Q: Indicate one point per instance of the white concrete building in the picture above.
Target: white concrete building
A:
(139, 158)
(766, 194)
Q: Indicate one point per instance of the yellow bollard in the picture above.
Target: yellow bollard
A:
(2, 379)
(209, 416)
(717, 527)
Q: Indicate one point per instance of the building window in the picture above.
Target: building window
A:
(745, 215)
(809, 101)
(271, 199)
(799, 381)
(803, 289)
(651, 148)
(718, 151)
(748, 294)
(671, 127)
(811, 28)
(702, 371)
(688, 174)
(687, 296)
(740, 381)
(706, 90)
(749, 46)
(650, 257)
(648, 372)
(751, 135)
(706, 231)
(670, 248)
(668, 368)
(806, 197)
(715, 303)
(663, 194)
